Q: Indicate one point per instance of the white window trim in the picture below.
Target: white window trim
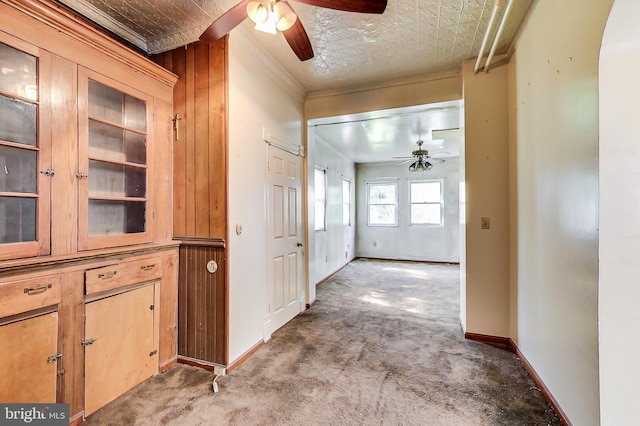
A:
(324, 222)
(348, 203)
(397, 203)
(441, 203)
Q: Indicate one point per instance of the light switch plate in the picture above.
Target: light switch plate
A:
(485, 222)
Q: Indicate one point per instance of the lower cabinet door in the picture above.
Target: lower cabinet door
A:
(28, 364)
(119, 345)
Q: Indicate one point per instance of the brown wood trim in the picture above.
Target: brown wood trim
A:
(167, 365)
(77, 419)
(66, 23)
(13, 267)
(507, 343)
(442, 262)
(245, 356)
(503, 342)
(543, 388)
(331, 274)
(197, 363)
(205, 242)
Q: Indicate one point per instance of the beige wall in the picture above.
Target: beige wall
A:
(555, 76)
(486, 163)
(408, 93)
(618, 290)
(252, 91)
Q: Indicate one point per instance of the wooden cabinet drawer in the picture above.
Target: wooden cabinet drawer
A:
(122, 274)
(26, 295)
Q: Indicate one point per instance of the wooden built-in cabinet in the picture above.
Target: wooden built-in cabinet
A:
(86, 248)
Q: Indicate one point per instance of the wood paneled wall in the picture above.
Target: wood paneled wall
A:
(201, 302)
(200, 138)
(200, 100)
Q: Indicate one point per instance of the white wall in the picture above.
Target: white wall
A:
(405, 241)
(556, 81)
(331, 249)
(254, 88)
(619, 292)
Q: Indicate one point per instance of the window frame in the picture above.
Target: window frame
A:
(346, 202)
(323, 199)
(396, 203)
(440, 203)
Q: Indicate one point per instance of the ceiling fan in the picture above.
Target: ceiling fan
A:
(422, 160)
(270, 15)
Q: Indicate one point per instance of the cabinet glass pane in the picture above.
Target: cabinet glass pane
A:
(114, 143)
(106, 103)
(17, 121)
(18, 73)
(17, 219)
(116, 217)
(17, 170)
(116, 180)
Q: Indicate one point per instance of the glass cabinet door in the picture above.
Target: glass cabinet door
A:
(23, 197)
(113, 175)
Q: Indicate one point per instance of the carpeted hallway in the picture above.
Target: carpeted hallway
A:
(382, 346)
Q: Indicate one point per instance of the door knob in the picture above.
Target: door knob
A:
(299, 244)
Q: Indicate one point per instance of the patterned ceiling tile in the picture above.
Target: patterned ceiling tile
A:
(412, 38)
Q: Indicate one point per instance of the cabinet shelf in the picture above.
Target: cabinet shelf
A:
(116, 125)
(19, 194)
(117, 162)
(115, 198)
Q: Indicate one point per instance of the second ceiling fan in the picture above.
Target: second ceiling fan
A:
(270, 15)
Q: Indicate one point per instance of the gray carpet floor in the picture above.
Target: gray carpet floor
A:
(381, 346)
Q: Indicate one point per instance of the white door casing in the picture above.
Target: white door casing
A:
(285, 267)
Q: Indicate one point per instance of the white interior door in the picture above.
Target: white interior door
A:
(285, 251)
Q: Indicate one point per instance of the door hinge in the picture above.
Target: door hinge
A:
(60, 372)
(80, 175)
(153, 352)
(152, 307)
(54, 358)
(48, 172)
(88, 342)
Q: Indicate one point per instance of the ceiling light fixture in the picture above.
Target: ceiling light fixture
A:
(271, 16)
(420, 165)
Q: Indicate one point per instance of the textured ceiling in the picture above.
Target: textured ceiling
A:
(411, 38)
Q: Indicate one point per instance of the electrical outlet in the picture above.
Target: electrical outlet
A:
(485, 222)
(219, 371)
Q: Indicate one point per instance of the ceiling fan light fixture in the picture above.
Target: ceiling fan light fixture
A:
(269, 26)
(258, 11)
(420, 166)
(285, 16)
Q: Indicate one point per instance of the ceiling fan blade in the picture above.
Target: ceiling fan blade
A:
(435, 160)
(399, 158)
(225, 23)
(404, 162)
(298, 39)
(361, 6)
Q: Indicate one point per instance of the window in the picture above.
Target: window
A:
(346, 202)
(425, 198)
(321, 198)
(382, 202)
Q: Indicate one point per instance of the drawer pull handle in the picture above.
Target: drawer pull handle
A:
(147, 267)
(32, 291)
(107, 275)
